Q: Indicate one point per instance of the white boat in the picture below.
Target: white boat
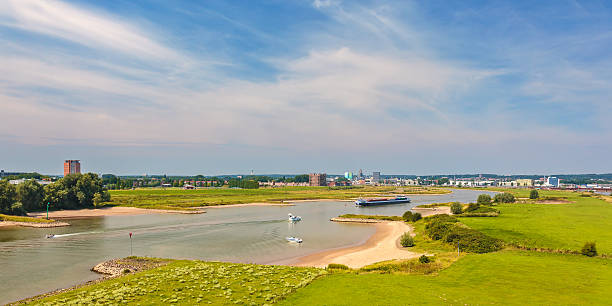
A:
(49, 236)
(294, 239)
(294, 218)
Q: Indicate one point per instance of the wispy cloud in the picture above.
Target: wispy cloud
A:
(356, 77)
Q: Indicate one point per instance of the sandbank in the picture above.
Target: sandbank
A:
(430, 211)
(383, 245)
(33, 224)
(108, 211)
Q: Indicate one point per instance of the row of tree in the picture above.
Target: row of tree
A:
(242, 183)
(71, 192)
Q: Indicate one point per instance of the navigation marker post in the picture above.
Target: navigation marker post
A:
(47, 210)
(130, 243)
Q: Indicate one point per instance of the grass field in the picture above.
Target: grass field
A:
(556, 226)
(185, 282)
(24, 219)
(507, 277)
(175, 198)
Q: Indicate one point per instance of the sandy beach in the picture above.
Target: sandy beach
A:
(383, 245)
(106, 211)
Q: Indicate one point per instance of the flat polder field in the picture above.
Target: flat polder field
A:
(177, 198)
(539, 262)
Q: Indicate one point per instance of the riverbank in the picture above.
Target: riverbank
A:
(33, 224)
(108, 211)
(383, 245)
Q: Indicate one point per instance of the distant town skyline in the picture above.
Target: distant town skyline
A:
(226, 87)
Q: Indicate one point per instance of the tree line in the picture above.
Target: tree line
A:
(71, 192)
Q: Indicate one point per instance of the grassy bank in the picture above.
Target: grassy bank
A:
(185, 282)
(176, 198)
(555, 226)
(24, 219)
(507, 277)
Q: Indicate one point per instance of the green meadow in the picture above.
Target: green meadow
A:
(554, 226)
(506, 278)
(176, 198)
(185, 282)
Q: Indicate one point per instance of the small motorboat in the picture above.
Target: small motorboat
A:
(294, 239)
(294, 218)
(48, 236)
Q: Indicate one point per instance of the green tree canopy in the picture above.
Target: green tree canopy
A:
(30, 193)
(8, 196)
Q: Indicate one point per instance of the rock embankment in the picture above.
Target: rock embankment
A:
(355, 220)
(117, 267)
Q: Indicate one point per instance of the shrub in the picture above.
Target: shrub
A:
(126, 271)
(589, 249)
(471, 240)
(424, 259)
(447, 229)
(472, 207)
(406, 240)
(504, 198)
(456, 208)
(534, 194)
(407, 216)
(484, 199)
(416, 217)
(337, 266)
(18, 210)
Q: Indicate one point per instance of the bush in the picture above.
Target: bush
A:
(504, 198)
(424, 259)
(406, 240)
(534, 194)
(407, 216)
(470, 240)
(18, 210)
(472, 207)
(484, 199)
(337, 266)
(447, 229)
(456, 208)
(589, 249)
(416, 217)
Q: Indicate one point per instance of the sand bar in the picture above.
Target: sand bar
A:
(108, 211)
(430, 211)
(383, 245)
(33, 224)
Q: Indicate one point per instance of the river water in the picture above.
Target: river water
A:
(30, 264)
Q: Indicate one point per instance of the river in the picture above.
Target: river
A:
(31, 264)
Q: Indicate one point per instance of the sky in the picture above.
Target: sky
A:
(296, 86)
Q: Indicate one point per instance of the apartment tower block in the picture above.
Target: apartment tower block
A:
(71, 167)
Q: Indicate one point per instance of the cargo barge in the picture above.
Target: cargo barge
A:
(384, 201)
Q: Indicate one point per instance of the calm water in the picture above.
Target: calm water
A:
(31, 264)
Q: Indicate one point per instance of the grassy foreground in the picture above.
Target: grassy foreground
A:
(507, 277)
(555, 226)
(24, 219)
(176, 198)
(185, 282)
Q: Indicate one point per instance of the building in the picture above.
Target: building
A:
(525, 182)
(317, 179)
(552, 181)
(376, 176)
(72, 167)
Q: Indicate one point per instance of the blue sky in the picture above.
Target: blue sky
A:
(211, 87)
